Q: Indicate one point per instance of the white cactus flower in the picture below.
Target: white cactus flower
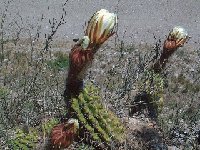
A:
(178, 33)
(75, 121)
(100, 26)
(85, 42)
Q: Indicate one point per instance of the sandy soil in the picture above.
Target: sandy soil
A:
(139, 20)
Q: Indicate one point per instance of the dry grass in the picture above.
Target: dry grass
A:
(32, 84)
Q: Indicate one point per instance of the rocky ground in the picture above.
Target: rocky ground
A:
(139, 21)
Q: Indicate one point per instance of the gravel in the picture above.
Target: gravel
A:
(139, 20)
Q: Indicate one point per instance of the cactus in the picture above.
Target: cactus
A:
(101, 123)
(60, 62)
(3, 92)
(85, 147)
(153, 85)
(48, 126)
(23, 140)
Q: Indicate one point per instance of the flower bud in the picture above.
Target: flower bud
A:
(74, 121)
(85, 42)
(100, 27)
(178, 33)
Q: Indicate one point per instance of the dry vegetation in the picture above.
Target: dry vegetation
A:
(32, 82)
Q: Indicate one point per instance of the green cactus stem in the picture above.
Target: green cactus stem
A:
(102, 124)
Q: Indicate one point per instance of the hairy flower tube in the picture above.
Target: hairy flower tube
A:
(176, 38)
(100, 27)
(63, 135)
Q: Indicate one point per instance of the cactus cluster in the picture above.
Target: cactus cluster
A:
(23, 140)
(153, 85)
(102, 124)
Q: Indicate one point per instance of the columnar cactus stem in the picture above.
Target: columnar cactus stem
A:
(153, 80)
(80, 60)
(100, 28)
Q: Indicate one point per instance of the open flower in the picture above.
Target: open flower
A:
(100, 27)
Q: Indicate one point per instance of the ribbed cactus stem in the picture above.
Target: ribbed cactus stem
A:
(79, 61)
(93, 120)
(101, 124)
